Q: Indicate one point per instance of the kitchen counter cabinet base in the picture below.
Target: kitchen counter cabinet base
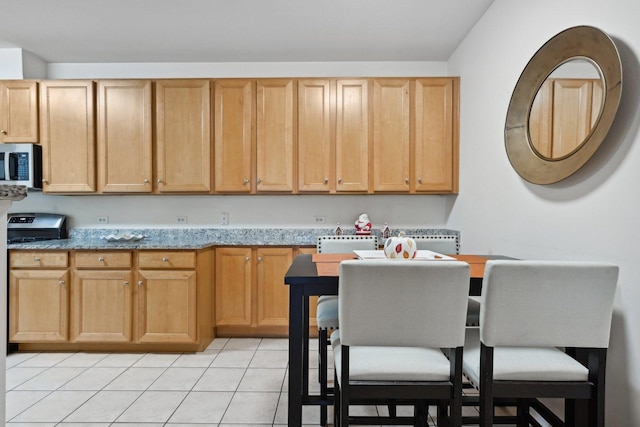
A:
(149, 298)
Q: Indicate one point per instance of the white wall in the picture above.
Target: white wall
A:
(11, 63)
(244, 211)
(592, 215)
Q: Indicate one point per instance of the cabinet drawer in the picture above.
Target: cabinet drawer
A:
(116, 259)
(31, 259)
(167, 259)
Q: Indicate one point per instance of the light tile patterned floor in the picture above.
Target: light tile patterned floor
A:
(234, 382)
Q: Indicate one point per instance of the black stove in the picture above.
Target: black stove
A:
(33, 227)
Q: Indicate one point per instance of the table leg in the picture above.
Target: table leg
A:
(296, 346)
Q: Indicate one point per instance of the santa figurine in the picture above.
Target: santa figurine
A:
(363, 225)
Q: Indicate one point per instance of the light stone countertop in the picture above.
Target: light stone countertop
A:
(200, 238)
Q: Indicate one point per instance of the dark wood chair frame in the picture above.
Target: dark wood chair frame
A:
(584, 400)
(447, 395)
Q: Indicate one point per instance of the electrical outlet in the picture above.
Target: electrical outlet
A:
(224, 218)
(319, 219)
(181, 219)
(103, 220)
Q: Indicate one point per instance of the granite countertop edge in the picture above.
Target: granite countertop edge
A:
(200, 238)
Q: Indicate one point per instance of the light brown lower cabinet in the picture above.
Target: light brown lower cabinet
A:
(39, 296)
(116, 300)
(251, 297)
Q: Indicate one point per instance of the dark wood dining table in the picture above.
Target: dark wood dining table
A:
(317, 274)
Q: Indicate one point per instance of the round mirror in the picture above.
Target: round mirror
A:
(563, 105)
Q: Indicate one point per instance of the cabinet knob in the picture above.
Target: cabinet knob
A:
(101, 259)
(61, 282)
(339, 180)
(146, 181)
(44, 181)
(259, 259)
(247, 259)
(406, 180)
(126, 282)
(326, 180)
(419, 180)
(246, 181)
(140, 282)
(160, 181)
(2, 131)
(36, 258)
(165, 259)
(259, 180)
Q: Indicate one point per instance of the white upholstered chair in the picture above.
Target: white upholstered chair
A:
(402, 326)
(531, 310)
(327, 308)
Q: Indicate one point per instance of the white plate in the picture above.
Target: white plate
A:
(123, 237)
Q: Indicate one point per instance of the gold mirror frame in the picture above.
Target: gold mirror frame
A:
(576, 42)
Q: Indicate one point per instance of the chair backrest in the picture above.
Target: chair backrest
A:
(547, 303)
(443, 244)
(345, 244)
(403, 303)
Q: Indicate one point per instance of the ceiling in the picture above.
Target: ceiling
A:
(87, 31)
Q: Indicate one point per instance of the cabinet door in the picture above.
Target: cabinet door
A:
(18, 111)
(272, 294)
(572, 115)
(167, 306)
(183, 136)
(68, 136)
(38, 305)
(275, 136)
(234, 141)
(314, 135)
(124, 136)
(101, 306)
(352, 135)
(436, 145)
(233, 287)
(391, 135)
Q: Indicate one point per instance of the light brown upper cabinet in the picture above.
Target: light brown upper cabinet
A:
(434, 166)
(315, 136)
(391, 135)
(333, 135)
(124, 136)
(68, 136)
(352, 135)
(183, 136)
(18, 111)
(275, 135)
(415, 136)
(234, 141)
(255, 135)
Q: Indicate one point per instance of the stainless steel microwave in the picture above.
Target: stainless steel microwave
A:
(21, 164)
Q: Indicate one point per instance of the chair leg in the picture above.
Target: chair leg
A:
(421, 414)
(322, 373)
(486, 386)
(442, 415)
(336, 402)
(523, 412)
(392, 409)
